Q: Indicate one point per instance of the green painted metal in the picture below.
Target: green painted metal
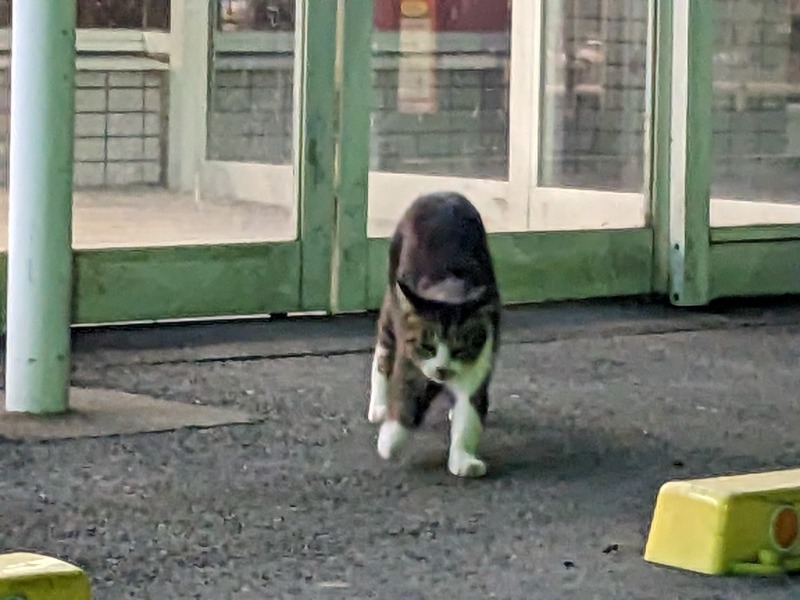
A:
(145, 284)
(314, 139)
(755, 269)
(354, 75)
(755, 233)
(4, 288)
(545, 266)
(689, 223)
(660, 145)
(188, 281)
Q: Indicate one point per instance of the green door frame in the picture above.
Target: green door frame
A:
(704, 263)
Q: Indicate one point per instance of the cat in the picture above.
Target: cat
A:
(438, 329)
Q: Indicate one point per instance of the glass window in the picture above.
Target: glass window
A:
(756, 111)
(594, 81)
(440, 87)
(251, 89)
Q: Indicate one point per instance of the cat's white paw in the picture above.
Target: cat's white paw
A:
(462, 464)
(391, 439)
(376, 412)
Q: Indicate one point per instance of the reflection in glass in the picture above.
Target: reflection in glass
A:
(251, 87)
(440, 87)
(121, 158)
(250, 123)
(756, 143)
(256, 15)
(594, 76)
(114, 14)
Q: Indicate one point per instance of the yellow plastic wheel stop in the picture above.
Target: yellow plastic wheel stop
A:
(36, 577)
(737, 524)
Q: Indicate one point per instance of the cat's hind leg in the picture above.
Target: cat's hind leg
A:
(382, 361)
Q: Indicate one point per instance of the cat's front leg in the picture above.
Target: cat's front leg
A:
(466, 428)
(409, 396)
(379, 385)
(392, 438)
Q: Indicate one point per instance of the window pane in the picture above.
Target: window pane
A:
(251, 98)
(250, 118)
(594, 94)
(122, 151)
(440, 87)
(756, 151)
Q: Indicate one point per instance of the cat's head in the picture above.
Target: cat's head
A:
(446, 325)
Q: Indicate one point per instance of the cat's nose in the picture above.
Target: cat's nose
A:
(443, 373)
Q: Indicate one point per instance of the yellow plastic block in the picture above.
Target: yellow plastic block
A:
(36, 577)
(740, 524)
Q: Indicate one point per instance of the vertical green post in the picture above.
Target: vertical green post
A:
(660, 144)
(40, 206)
(690, 161)
(314, 156)
(354, 81)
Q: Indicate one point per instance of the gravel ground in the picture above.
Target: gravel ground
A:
(583, 430)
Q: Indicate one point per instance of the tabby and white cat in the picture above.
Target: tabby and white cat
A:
(438, 329)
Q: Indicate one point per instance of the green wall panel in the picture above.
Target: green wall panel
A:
(180, 282)
(544, 266)
(755, 269)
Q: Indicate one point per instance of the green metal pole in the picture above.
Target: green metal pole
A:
(354, 80)
(314, 143)
(661, 145)
(40, 206)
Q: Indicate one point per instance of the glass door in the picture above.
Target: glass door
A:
(755, 157)
(196, 150)
(734, 203)
(756, 116)
(538, 112)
